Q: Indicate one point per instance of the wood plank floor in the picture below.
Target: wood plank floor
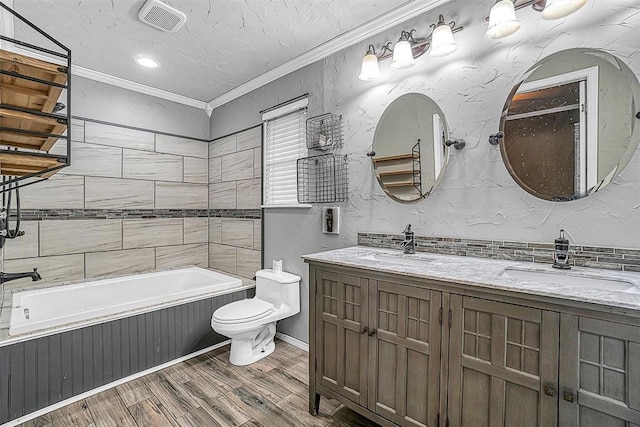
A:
(209, 391)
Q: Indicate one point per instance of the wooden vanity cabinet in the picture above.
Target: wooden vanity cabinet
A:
(378, 345)
(403, 354)
(599, 373)
(503, 364)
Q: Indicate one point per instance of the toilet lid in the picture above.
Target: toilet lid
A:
(245, 310)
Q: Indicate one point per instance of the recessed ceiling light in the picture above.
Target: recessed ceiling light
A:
(145, 61)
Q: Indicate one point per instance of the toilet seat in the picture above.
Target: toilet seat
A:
(243, 311)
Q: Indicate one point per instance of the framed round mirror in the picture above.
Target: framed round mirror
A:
(409, 149)
(570, 124)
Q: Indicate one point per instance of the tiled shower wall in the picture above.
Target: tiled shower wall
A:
(235, 196)
(131, 201)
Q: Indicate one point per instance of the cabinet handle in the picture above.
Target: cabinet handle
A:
(567, 395)
(549, 390)
(364, 330)
(372, 332)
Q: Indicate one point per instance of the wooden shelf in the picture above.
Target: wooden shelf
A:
(398, 173)
(400, 184)
(22, 99)
(21, 164)
(409, 156)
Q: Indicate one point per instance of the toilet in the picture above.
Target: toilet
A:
(251, 323)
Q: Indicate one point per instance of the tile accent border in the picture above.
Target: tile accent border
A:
(579, 255)
(80, 214)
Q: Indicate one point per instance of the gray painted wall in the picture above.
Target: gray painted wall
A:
(100, 101)
(477, 198)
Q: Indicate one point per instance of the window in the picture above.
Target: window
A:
(285, 143)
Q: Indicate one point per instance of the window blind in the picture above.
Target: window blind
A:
(285, 143)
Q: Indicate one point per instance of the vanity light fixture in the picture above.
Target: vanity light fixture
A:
(403, 52)
(556, 9)
(503, 20)
(442, 42)
(370, 70)
(408, 48)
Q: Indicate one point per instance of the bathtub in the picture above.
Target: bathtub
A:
(100, 300)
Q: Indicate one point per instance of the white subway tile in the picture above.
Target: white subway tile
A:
(196, 230)
(59, 237)
(222, 258)
(117, 193)
(144, 233)
(58, 192)
(237, 166)
(153, 166)
(181, 146)
(170, 195)
(196, 170)
(118, 136)
(182, 256)
(120, 262)
(250, 138)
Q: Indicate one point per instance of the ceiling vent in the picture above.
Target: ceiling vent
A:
(162, 16)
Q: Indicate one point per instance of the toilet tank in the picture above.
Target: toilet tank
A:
(278, 288)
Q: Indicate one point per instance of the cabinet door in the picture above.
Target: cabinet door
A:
(341, 344)
(599, 373)
(503, 364)
(404, 362)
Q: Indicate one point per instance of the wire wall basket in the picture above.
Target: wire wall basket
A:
(322, 179)
(324, 132)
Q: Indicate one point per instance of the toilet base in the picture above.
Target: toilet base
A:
(251, 347)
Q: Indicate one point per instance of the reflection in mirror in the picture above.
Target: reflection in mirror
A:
(569, 126)
(410, 154)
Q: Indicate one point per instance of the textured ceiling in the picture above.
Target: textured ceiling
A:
(224, 43)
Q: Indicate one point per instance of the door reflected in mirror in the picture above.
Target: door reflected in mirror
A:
(569, 125)
(410, 154)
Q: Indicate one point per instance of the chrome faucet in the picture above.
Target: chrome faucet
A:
(561, 252)
(409, 243)
(6, 277)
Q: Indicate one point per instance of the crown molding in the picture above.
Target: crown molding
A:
(394, 17)
(98, 76)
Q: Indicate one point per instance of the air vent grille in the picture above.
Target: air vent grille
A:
(162, 16)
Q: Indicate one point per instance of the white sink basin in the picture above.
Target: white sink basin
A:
(567, 278)
(406, 260)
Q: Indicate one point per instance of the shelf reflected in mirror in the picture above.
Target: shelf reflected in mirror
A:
(409, 151)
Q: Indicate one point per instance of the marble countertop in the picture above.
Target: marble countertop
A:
(485, 274)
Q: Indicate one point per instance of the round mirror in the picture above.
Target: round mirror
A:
(570, 124)
(410, 154)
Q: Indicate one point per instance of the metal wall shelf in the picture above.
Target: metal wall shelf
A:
(30, 126)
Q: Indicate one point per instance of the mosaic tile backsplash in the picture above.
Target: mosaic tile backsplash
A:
(582, 256)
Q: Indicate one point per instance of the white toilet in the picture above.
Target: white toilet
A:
(251, 323)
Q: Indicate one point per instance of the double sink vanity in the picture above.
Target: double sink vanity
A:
(441, 340)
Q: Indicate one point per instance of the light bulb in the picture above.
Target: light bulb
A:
(502, 20)
(556, 9)
(402, 54)
(370, 70)
(442, 42)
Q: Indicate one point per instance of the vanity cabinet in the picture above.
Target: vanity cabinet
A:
(503, 364)
(413, 352)
(379, 346)
(599, 373)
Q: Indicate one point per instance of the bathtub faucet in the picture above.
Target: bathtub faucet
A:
(5, 277)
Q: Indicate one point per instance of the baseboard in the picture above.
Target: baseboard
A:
(116, 383)
(293, 341)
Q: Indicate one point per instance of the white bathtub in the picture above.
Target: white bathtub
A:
(83, 302)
